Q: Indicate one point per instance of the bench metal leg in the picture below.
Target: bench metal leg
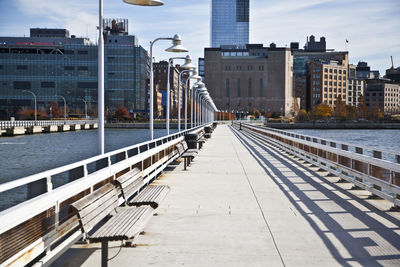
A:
(104, 253)
(184, 160)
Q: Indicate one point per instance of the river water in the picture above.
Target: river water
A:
(380, 139)
(25, 155)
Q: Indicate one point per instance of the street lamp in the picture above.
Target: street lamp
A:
(187, 68)
(100, 88)
(34, 96)
(199, 89)
(198, 78)
(184, 66)
(65, 109)
(176, 48)
(84, 101)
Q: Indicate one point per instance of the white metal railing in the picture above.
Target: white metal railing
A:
(371, 172)
(18, 123)
(47, 213)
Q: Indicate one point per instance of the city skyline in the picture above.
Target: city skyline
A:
(274, 21)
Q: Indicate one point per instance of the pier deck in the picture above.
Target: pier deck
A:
(243, 203)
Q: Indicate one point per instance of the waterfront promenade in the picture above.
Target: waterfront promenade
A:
(244, 203)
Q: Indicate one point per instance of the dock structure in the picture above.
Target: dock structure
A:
(245, 202)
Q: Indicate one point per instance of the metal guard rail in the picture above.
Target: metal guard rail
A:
(378, 176)
(44, 224)
(18, 123)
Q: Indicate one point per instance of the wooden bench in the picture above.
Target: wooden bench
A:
(187, 156)
(101, 220)
(187, 149)
(130, 182)
(151, 195)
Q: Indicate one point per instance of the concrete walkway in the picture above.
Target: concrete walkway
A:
(242, 203)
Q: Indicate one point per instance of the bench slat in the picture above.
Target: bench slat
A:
(125, 225)
(100, 211)
(124, 179)
(85, 201)
(151, 195)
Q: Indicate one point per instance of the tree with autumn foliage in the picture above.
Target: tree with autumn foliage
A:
(351, 113)
(362, 108)
(122, 113)
(340, 111)
(53, 110)
(322, 111)
(302, 115)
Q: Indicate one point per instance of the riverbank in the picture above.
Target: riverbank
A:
(340, 125)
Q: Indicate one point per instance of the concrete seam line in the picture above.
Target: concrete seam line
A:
(259, 205)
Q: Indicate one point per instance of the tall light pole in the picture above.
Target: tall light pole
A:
(84, 101)
(188, 65)
(35, 99)
(200, 89)
(194, 88)
(65, 109)
(100, 88)
(193, 76)
(177, 48)
(179, 96)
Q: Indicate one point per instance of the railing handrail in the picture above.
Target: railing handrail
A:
(327, 140)
(38, 176)
(379, 176)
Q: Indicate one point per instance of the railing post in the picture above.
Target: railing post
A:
(376, 171)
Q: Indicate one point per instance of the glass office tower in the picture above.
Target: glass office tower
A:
(67, 66)
(229, 22)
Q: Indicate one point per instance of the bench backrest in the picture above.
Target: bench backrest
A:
(92, 208)
(130, 182)
(185, 145)
(180, 148)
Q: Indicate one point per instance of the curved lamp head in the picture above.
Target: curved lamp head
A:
(144, 2)
(188, 64)
(176, 45)
(199, 83)
(194, 75)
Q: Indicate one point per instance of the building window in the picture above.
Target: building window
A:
(83, 52)
(238, 87)
(261, 87)
(47, 85)
(22, 85)
(69, 68)
(227, 87)
(250, 88)
(22, 67)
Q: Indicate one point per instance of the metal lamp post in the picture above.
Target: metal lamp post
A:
(84, 101)
(179, 97)
(198, 78)
(35, 98)
(200, 89)
(193, 76)
(177, 48)
(187, 65)
(100, 88)
(65, 108)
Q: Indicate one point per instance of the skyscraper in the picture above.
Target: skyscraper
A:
(229, 22)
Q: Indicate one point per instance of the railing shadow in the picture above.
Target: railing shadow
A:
(374, 244)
